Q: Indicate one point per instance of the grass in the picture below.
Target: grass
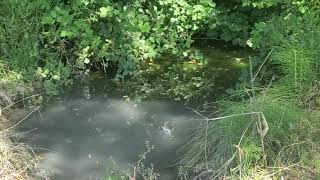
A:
(297, 62)
(25, 60)
(232, 146)
(13, 82)
(269, 135)
(16, 159)
(19, 34)
(19, 41)
(137, 170)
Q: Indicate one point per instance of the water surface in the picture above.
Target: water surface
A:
(77, 136)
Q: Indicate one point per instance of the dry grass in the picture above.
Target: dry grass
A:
(16, 162)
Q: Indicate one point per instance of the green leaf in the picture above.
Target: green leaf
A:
(53, 14)
(66, 34)
(86, 61)
(46, 71)
(185, 54)
(56, 77)
(47, 20)
(145, 27)
(105, 11)
(249, 43)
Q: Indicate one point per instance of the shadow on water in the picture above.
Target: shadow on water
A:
(76, 135)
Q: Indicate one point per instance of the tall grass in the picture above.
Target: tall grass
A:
(298, 63)
(19, 45)
(19, 33)
(233, 146)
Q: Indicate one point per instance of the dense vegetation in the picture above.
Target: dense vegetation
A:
(269, 124)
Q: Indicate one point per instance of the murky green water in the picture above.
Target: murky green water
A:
(76, 137)
(79, 133)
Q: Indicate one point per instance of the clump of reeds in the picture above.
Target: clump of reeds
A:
(266, 136)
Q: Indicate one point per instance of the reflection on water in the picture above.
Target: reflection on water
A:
(76, 136)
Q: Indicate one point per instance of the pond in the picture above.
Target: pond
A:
(92, 128)
(77, 138)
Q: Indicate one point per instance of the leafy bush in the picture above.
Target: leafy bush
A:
(122, 33)
(22, 50)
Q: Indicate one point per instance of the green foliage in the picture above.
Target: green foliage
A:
(296, 52)
(11, 81)
(297, 20)
(260, 4)
(179, 81)
(22, 51)
(298, 63)
(235, 21)
(257, 23)
(69, 39)
(123, 33)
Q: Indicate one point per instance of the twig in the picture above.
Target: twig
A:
(21, 101)
(266, 90)
(45, 149)
(265, 60)
(230, 116)
(23, 132)
(252, 98)
(20, 120)
(262, 124)
(198, 113)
